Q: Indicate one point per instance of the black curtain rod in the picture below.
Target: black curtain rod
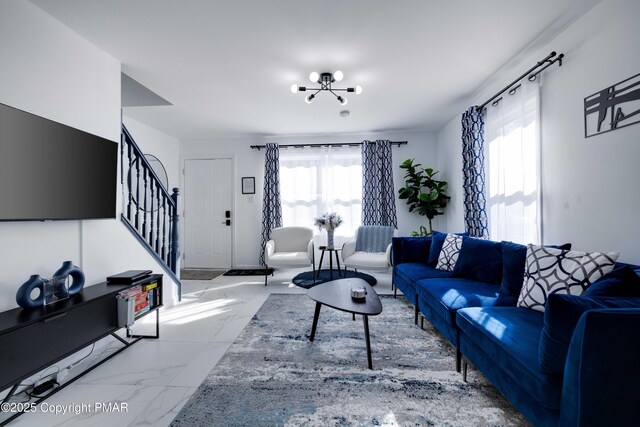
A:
(337, 144)
(546, 62)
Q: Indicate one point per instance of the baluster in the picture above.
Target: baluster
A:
(175, 252)
(129, 173)
(164, 226)
(158, 188)
(137, 190)
(144, 211)
(170, 236)
(152, 184)
(122, 158)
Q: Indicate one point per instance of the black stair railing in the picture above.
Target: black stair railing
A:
(150, 211)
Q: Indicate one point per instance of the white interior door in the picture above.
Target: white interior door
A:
(207, 199)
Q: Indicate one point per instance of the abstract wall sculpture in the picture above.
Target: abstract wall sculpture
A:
(613, 107)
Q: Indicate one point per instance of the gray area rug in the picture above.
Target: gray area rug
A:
(273, 376)
(195, 274)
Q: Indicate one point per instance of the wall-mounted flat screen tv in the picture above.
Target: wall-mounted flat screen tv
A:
(49, 171)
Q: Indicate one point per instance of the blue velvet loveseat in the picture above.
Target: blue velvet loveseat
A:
(573, 364)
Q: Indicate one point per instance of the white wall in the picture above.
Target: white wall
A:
(450, 164)
(247, 162)
(52, 72)
(590, 186)
(151, 141)
(49, 70)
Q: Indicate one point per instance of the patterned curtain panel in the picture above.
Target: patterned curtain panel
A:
(378, 197)
(271, 206)
(475, 212)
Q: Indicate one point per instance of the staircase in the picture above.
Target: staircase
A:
(150, 212)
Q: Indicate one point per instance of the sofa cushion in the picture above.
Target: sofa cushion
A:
(446, 296)
(560, 319)
(449, 254)
(550, 271)
(367, 260)
(289, 259)
(511, 336)
(412, 272)
(411, 249)
(622, 282)
(479, 260)
(514, 259)
(437, 240)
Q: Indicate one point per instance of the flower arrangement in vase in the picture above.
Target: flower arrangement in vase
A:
(328, 221)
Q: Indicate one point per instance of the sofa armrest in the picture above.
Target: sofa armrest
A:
(348, 249)
(310, 251)
(410, 249)
(269, 249)
(601, 378)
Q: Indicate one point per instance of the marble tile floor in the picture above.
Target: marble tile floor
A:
(155, 378)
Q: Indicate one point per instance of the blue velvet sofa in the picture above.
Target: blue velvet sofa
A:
(574, 364)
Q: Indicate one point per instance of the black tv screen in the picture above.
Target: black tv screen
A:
(49, 171)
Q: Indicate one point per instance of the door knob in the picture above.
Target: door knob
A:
(226, 222)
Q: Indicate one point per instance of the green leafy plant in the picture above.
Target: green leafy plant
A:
(424, 194)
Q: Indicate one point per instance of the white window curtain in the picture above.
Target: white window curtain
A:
(317, 180)
(512, 135)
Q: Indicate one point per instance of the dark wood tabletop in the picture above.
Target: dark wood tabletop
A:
(337, 294)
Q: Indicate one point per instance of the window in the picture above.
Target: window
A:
(318, 180)
(513, 145)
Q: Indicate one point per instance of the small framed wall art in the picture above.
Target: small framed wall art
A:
(248, 185)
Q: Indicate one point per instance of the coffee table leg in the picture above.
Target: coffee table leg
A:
(315, 323)
(366, 335)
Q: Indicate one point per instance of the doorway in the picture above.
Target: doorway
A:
(207, 213)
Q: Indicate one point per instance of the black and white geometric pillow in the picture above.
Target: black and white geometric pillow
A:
(449, 253)
(550, 270)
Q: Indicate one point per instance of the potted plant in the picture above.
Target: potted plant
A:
(423, 193)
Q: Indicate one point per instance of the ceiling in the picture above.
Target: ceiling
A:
(227, 66)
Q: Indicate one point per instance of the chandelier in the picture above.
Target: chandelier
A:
(325, 80)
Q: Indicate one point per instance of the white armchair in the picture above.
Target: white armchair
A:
(289, 247)
(370, 250)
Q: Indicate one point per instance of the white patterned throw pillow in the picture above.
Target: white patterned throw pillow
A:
(549, 271)
(449, 253)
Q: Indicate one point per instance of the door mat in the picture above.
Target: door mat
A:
(247, 272)
(197, 274)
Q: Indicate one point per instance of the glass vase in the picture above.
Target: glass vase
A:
(330, 239)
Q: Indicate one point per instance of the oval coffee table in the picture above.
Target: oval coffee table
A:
(337, 294)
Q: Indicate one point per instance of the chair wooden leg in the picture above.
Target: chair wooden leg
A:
(458, 359)
(465, 366)
(266, 274)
